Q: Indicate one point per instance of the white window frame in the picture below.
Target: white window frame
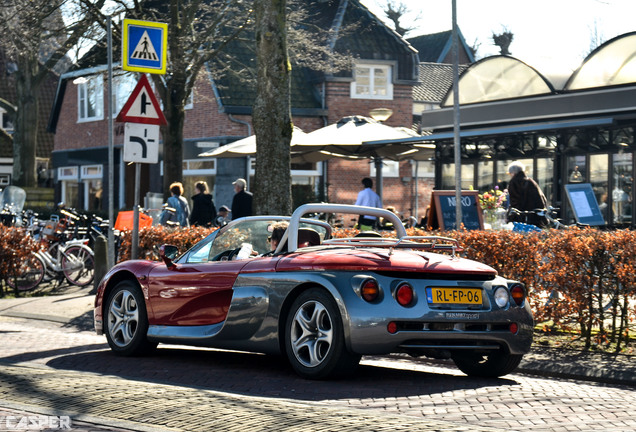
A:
(2, 114)
(390, 168)
(187, 171)
(373, 86)
(121, 93)
(93, 85)
(72, 173)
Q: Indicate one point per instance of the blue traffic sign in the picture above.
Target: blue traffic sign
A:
(144, 46)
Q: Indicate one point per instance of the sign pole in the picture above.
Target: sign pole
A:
(134, 253)
(111, 157)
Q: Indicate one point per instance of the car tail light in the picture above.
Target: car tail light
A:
(514, 328)
(370, 290)
(518, 294)
(501, 297)
(404, 294)
(392, 327)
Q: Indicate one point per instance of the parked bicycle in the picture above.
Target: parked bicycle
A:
(73, 261)
(548, 215)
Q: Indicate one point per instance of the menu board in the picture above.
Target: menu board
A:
(583, 201)
(442, 213)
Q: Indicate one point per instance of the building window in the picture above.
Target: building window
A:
(5, 121)
(372, 82)
(83, 191)
(124, 86)
(90, 99)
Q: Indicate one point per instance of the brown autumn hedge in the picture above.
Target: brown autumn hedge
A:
(577, 279)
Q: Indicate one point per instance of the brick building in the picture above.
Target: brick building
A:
(384, 74)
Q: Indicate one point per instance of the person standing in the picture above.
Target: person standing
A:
(242, 201)
(525, 194)
(203, 209)
(367, 197)
(180, 205)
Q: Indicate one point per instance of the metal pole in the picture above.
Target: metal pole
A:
(378, 176)
(134, 254)
(456, 138)
(111, 158)
(416, 207)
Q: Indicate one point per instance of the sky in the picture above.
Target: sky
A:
(553, 36)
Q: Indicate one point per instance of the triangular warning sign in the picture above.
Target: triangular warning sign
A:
(142, 106)
(144, 49)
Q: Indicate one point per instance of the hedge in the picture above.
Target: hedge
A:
(578, 279)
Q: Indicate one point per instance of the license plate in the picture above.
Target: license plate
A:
(462, 296)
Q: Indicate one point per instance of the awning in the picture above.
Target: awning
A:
(502, 130)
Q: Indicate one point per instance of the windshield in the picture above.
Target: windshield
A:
(12, 198)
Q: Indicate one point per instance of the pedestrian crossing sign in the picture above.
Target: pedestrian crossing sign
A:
(144, 46)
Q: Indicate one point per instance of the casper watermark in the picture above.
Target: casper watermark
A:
(34, 422)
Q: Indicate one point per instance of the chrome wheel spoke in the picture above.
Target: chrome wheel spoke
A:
(312, 334)
(123, 318)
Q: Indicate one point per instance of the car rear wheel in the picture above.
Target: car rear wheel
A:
(491, 365)
(314, 337)
(127, 321)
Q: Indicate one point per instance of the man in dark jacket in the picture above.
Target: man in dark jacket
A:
(525, 195)
(242, 201)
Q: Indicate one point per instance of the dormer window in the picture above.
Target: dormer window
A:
(90, 98)
(372, 81)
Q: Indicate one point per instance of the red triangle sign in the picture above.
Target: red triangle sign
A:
(142, 106)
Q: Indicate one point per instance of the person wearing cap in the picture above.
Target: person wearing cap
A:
(223, 216)
(242, 201)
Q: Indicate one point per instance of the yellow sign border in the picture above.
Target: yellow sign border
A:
(164, 51)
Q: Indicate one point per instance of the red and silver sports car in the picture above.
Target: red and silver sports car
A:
(321, 302)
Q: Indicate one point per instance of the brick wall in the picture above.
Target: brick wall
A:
(344, 176)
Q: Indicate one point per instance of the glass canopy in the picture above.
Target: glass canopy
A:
(612, 63)
(498, 77)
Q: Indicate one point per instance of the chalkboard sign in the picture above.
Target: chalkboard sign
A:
(583, 202)
(443, 210)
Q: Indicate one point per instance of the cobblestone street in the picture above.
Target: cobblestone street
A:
(52, 369)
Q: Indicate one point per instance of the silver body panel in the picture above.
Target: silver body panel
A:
(254, 320)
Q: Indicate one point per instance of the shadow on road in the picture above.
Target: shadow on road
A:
(263, 375)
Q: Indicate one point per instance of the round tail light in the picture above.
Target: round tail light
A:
(404, 294)
(514, 328)
(392, 327)
(518, 294)
(370, 290)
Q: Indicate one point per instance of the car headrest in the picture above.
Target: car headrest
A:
(308, 237)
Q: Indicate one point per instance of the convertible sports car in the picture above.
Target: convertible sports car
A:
(321, 302)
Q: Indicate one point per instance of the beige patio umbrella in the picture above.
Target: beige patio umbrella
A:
(247, 146)
(346, 138)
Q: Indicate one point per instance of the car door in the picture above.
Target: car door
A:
(191, 294)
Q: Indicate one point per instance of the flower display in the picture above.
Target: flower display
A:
(493, 199)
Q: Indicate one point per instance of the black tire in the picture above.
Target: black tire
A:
(126, 321)
(495, 364)
(78, 265)
(314, 338)
(30, 275)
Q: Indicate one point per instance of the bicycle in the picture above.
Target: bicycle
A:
(73, 261)
(531, 216)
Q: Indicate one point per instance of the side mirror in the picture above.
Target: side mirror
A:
(167, 253)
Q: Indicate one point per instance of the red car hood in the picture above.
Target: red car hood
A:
(380, 260)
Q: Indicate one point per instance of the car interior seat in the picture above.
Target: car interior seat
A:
(308, 237)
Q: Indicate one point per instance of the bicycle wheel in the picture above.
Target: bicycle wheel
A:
(78, 265)
(29, 275)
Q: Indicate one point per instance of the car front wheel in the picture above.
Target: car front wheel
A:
(314, 337)
(127, 321)
(491, 365)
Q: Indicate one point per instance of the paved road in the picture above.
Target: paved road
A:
(54, 369)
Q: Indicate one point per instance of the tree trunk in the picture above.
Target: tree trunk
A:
(26, 127)
(172, 145)
(271, 112)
